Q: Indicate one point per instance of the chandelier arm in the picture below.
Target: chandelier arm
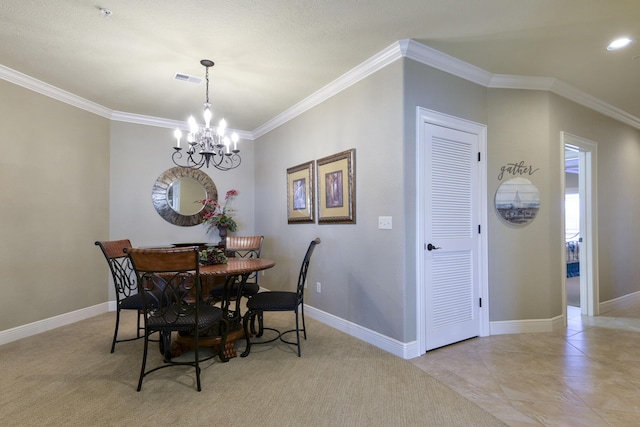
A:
(219, 160)
(189, 163)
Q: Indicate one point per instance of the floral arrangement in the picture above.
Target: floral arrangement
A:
(212, 256)
(219, 215)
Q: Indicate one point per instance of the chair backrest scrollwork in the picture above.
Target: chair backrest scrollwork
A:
(245, 247)
(170, 279)
(122, 272)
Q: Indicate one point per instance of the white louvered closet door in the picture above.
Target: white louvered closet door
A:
(452, 236)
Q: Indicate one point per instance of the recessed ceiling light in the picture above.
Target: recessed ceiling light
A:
(619, 43)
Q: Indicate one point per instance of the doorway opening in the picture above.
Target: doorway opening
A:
(572, 235)
(580, 285)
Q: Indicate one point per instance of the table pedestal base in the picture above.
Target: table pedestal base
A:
(184, 343)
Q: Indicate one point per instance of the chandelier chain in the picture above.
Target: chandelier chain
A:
(206, 74)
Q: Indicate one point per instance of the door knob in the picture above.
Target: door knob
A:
(430, 247)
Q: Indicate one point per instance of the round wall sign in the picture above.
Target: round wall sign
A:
(517, 201)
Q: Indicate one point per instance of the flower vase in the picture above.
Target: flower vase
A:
(222, 231)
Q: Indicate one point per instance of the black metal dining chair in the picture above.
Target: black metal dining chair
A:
(125, 283)
(169, 281)
(241, 247)
(280, 301)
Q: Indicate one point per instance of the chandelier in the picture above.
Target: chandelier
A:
(207, 146)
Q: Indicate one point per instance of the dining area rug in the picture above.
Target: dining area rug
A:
(67, 376)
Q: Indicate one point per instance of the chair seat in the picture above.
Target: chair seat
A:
(134, 302)
(208, 316)
(273, 301)
(249, 290)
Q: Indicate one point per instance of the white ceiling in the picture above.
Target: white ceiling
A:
(272, 54)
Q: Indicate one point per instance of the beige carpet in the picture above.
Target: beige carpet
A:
(67, 377)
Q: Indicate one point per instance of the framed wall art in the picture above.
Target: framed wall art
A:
(337, 188)
(517, 201)
(300, 193)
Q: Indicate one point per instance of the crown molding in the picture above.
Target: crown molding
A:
(416, 51)
(405, 48)
(443, 62)
(506, 81)
(579, 97)
(46, 89)
(560, 88)
(365, 69)
(139, 119)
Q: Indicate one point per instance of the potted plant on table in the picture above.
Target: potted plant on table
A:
(212, 256)
(219, 216)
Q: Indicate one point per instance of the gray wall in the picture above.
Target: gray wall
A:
(524, 262)
(525, 271)
(360, 267)
(618, 193)
(367, 275)
(140, 154)
(54, 181)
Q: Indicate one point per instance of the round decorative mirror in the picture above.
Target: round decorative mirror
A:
(176, 192)
(181, 194)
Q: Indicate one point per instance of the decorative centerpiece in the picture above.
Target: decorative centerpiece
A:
(219, 216)
(212, 256)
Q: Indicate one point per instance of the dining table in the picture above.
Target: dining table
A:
(236, 270)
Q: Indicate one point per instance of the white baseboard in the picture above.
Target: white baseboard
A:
(44, 325)
(556, 323)
(617, 303)
(404, 350)
(526, 326)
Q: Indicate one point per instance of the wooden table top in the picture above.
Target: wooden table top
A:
(237, 266)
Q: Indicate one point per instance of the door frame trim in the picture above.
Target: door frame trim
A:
(588, 194)
(426, 116)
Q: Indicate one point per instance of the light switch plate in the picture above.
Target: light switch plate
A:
(385, 223)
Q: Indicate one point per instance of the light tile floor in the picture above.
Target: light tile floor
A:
(585, 375)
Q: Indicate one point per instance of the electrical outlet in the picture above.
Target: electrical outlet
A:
(385, 223)
(319, 287)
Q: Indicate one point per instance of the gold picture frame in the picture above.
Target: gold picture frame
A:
(300, 193)
(337, 188)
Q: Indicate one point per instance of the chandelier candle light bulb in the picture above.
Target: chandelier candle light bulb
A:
(207, 146)
(178, 136)
(235, 138)
(207, 116)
